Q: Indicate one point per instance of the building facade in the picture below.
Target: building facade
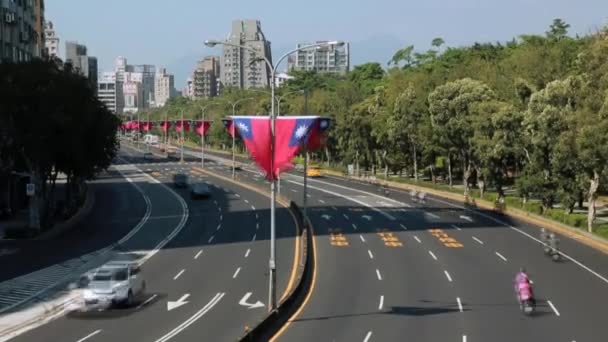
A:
(76, 55)
(333, 59)
(20, 30)
(107, 91)
(51, 41)
(133, 92)
(206, 78)
(242, 68)
(164, 87)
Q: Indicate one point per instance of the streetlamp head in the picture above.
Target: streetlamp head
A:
(211, 43)
(335, 43)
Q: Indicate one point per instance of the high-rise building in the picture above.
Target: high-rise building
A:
(40, 48)
(120, 67)
(164, 87)
(242, 68)
(206, 77)
(188, 91)
(333, 59)
(148, 73)
(107, 91)
(20, 37)
(133, 92)
(76, 55)
(51, 40)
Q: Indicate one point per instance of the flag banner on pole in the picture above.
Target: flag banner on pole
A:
(290, 134)
(255, 132)
(318, 135)
(202, 128)
(165, 125)
(179, 124)
(228, 124)
(136, 125)
(147, 126)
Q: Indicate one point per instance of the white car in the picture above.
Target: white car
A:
(117, 282)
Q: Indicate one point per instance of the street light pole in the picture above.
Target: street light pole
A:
(272, 294)
(234, 104)
(181, 159)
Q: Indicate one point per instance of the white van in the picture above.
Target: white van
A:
(151, 139)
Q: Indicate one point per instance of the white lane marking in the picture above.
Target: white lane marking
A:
(459, 304)
(198, 254)
(368, 336)
(385, 214)
(334, 208)
(456, 227)
(236, 273)
(254, 236)
(362, 239)
(553, 308)
(431, 215)
(179, 274)
(417, 239)
(308, 195)
(464, 338)
(257, 217)
(466, 218)
(501, 256)
(252, 208)
(246, 201)
(247, 253)
(146, 302)
(294, 191)
(433, 255)
(345, 216)
(89, 335)
(378, 274)
(219, 226)
(448, 276)
(403, 226)
(321, 201)
(221, 217)
(381, 305)
(219, 209)
(257, 226)
(215, 202)
(479, 241)
(211, 239)
(371, 256)
(355, 226)
(192, 319)
(237, 195)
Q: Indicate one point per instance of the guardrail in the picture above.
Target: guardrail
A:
(273, 322)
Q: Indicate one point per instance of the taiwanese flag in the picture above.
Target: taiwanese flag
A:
(290, 133)
(135, 125)
(202, 128)
(182, 124)
(165, 125)
(318, 135)
(228, 124)
(255, 132)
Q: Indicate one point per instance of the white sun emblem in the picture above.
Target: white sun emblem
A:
(301, 131)
(324, 123)
(243, 127)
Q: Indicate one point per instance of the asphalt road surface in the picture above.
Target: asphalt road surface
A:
(217, 264)
(395, 269)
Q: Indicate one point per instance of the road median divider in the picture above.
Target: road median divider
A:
(583, 237)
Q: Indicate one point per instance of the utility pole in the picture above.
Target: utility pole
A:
(305, 201)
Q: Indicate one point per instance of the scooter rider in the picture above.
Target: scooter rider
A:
(523, 287)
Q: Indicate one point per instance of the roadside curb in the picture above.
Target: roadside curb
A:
(590, 240)
(73, 221)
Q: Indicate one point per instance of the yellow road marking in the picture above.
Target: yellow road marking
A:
(445, 239)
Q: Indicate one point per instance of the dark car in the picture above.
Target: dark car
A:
(180, 180)
(200, 190)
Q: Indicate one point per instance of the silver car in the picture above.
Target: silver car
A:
(114, 283)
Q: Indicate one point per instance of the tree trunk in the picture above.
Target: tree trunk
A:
(592, 198)
(481, 183)
(581, 199)
(384, 153)
(465, 179)
(450, 170)
(432, 170)
(415, 163)
(328, 156)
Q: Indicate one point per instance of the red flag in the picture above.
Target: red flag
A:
(202, 129)
(179, 124)
(255, 131)
(147, 126)
(290, 133)
(318, 134)
(165, 125)
(228, 124)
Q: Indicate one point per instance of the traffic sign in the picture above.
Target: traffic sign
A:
(30, 189)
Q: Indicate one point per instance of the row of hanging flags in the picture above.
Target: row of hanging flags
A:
(293, 134)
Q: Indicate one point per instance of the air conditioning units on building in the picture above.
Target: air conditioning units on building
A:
(9, 18)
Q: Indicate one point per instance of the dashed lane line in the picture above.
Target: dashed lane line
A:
(381, 304)
(378, 274)
(368, 336)
(236, 273)
(361, 237)
(247, 253)
(89, 335)
(371, 256)
(448, 276)
(501, 256)
(478, 241)
(417, 239)
(459, 303)
(198, 254)
(179, 274)
(433, 255)
(553, 308)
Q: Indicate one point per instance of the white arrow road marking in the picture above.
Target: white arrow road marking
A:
(367, 217)
(89, 335)
(466, 218)
(327, 217)
(368, 336)
(243, 302)
(174, 305)
(553, 308)
(192, 319)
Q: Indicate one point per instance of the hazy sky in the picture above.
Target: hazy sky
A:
(170, 33)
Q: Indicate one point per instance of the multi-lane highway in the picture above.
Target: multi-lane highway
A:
(209, 279)
(393, 269)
